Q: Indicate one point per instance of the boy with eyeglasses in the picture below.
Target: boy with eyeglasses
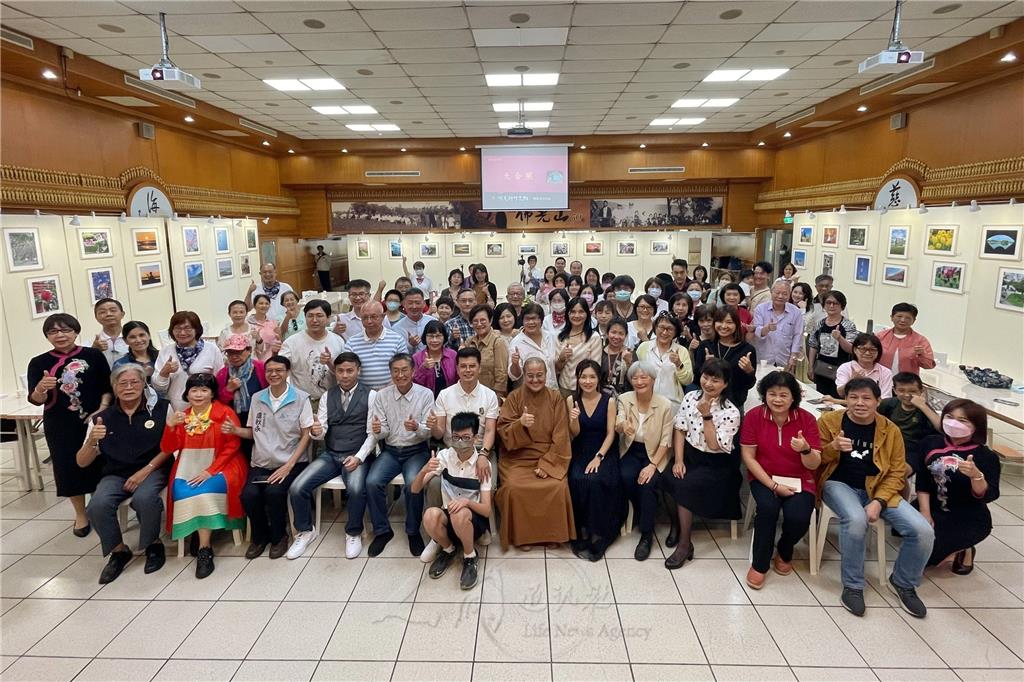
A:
(465, 500)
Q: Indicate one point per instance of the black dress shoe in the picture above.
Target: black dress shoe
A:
(82, 532)
(958, 561)
(672, 539)
(643, 548)
(204, 562)
(255, 549)
(118, 560)
(279, 549)
(155, 557)
(379, 543)
(416, 545)
(677, 559)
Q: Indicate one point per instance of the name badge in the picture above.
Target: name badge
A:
(149, 424)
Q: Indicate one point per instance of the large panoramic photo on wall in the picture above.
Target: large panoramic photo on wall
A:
(661, 212)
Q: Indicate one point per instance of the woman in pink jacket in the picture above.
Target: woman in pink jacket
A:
(435, 364)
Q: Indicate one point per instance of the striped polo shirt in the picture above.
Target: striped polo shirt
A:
(376, 354)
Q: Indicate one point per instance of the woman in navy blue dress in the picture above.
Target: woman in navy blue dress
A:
(593, 477)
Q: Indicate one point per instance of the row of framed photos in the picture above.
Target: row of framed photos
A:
(998, 242)
(24, 253)
(46, 297)
(428, 249)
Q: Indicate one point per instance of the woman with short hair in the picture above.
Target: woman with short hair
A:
(189, 354)
(493, 350)
(672, 360)
(829, 345)
(867, 352)
(435, 364)
(642, 328)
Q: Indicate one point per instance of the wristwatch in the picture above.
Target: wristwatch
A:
(804, 453)
(706, 417)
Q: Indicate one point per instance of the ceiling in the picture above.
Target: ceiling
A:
(421, 64)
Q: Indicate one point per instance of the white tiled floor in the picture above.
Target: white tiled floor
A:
(542, 615)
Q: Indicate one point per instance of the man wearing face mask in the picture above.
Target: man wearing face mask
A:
(623, 287)
(419, 277)
(862, 471)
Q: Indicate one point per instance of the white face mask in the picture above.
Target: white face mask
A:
(558, 307)
(654, 291)
(419, 272)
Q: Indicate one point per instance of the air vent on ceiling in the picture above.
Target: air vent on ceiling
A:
(924, 88)
(809, 111)
(392, 174)
(127, 101)
(252, 125)
(230, 133)
(133, 82)
(16, 38)
(896, 77)
(820, 124)
(658, 169)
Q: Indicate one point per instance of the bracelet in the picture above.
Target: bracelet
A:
(979, 478)
(775, 487)
(599, 455)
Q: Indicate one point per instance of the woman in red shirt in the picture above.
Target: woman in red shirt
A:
(781, 448)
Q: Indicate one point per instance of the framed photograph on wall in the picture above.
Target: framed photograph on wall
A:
(429, 250)
(363, 249)
(857, 237)
(894, 275)
(660, 247)
(828, 262)
(830, 235)
(593, 248)
(899, 241)
(101, 283)
(494, 249)
(940, 240)
(22, 245)
(150, 275)
(948, 277)
(145, 242)
(268, 252)
(221, 240)
(190, 239)
(559, 248)
(527, 250)
(462, 249)
(862, 269)
(94, 242)
(800, 259)
(251, 242)
(1000, 242)
(195, 275)
(44, 295)
(244, 266)
(625, 247)
(1010, 289)
(805, 237)
(395, 248)
(225, 268)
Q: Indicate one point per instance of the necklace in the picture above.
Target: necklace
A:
(724, 355)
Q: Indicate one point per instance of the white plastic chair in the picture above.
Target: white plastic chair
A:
(826, 515)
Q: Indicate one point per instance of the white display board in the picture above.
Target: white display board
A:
(638, 254)
(959, 313)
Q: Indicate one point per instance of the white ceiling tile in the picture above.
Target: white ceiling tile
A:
(762, 63)
(977, 27)
(192, 61)
(450, 82)
(1014, 10)
(152, 7)
(710, 33)
(80, 8)
(925, 9)
(415, 19)
(40, 28)
(260, 59)
(349, 57)
(494, 15)
(828, 62)
(600, 52)
(806, 31)
(760, 12)
(123, 63)
(426, 39)
(518, 37)
(802, 48)
(333, 41)
(292, 5)
(614, 35)
(598, 66)
(666, 78)
(624, 14)
(215, 24)
(919, 28)
(939, 44)
(466, 54)
(135, 46)
(344, 71)
(445, 69)
(853, 48)
(827, 11)
(606, 77)
(521, 55)
(681, 51)
(287, 71)
(380, 83)
(86, 47)
(312, 22)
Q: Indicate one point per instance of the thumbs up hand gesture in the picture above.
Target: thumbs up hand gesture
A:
(431, 420)
(275, 345)
(799, 443)
(340, 327)
(673, 357)
(169, 368)
(516, 358)
(99, 431)
(629, 428)
(527, 419)
(325, 356)
(317, 428)
(176, 418)
(574, 410)
(228, 427)
(456, 332)
(411, 424)
(566, 352)
(48, 382)
(433, 465)
(745, 364)
(842, 443)
(234, 383)
(968, 468)
(99, 343)
(375, 425)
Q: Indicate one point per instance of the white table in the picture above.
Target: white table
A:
(950, 380)
(808, 393)
(26, 456)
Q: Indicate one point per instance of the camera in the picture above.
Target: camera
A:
(521, 261)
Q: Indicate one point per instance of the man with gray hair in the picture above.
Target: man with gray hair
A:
(127, 436)
(779, 328)
(515, 295)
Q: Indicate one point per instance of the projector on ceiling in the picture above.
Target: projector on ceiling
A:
(891, 61)
(520, 131)
(171, 78)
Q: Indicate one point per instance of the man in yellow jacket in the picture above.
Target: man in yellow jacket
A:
(863, 469)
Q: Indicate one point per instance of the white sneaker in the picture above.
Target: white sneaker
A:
(430, 552)
(302, 541)
(353, 546)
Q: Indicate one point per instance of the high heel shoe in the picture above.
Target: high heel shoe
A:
(676, 560)
(672, 539)
(958, 561)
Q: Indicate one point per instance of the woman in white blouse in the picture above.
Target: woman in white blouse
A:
(675, 370)
(706, 474)
(577, 342)
(533, 342)
(189, 354)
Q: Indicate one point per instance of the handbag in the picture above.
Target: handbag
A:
(825, 370)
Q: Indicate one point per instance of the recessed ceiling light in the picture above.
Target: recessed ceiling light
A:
(651, 96)
(462, 149)
(291, 151)
(519, 18)
(111, 28)
(286, 84)
(505, 125)
(540, 79)
(730, 14)
(527, 106)
(364, 72)
(787, 134)
(704, 144)
(344, 151)
(49, 75)
(664, 121)
(500, 80)
(313, 23)
(945, 9)
(721, 75)
(214, 76)
(1008, 58)
(583, 146)
(643, 146)
(265, 143)
(842, 62)
(322, 84)
(521, 68)
(690, 121)
(761, 143)
(189, 119)
(402, 149)
(395, 101)
(764, 74)
(687, 103)
(681, 65)
(721, 102)
(862, 108)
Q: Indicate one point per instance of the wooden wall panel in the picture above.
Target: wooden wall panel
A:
(739, 207)
(314, 209)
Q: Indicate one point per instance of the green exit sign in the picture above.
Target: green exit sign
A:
(788, 220)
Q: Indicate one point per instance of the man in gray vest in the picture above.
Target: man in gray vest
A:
(342, 422)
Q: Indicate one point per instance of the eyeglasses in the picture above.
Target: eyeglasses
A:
(275, 370)
(463, 440)
(129, 384)
(60, 330)
(869, 350)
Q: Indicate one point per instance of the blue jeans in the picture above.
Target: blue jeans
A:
(918, 535)
(391, 462)
(322, 469)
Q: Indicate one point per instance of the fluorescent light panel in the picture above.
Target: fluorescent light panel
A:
(505, 125)
(763, 74)
(372, 127)
(723, 75)
(687, 103)
(334, 110)
(527, 106)
(499, 80)
(677, 121)
(303, 84)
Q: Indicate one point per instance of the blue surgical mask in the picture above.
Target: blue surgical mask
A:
(654, 291)
(622, 295)
(394, 305)
(694, 294)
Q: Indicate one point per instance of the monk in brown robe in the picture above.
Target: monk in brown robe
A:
(533, 499)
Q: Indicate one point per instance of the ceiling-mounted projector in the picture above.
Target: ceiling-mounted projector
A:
(164, 73)
(896, 57)
(520, 131)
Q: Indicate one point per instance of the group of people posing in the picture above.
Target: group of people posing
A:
(548, 418)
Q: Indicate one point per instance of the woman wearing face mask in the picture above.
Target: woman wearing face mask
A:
(393, 308)
(695, 290)
(960, 476)
(592, 295)
(616, 358)
(642, 328)
(558, 301)
(653, 288)
(577, 342)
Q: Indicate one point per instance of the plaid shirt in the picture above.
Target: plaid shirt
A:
(465, 330)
